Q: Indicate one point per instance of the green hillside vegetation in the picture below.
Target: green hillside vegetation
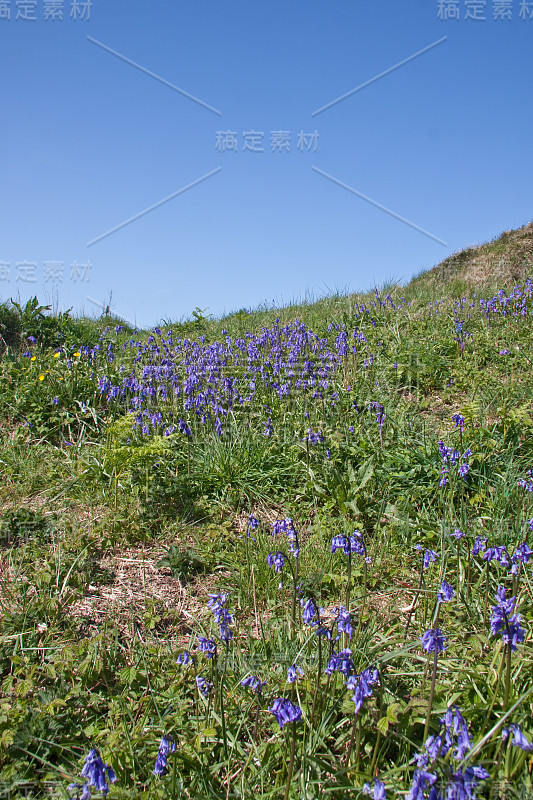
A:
(281, 554)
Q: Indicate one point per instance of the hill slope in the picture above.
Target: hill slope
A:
(504, 260)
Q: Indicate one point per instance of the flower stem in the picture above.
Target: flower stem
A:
(431, 692)
(291, 762)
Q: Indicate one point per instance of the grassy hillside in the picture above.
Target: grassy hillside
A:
(284, 554)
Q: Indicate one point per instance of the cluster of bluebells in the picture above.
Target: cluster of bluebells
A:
(166, 746)
(277, 560)
(252, 682)
(519, 738)
(359, 683)
(344, 621)
(453, 736)
(287, 526)
(445, 593)
(97, 774)
(208, 382)
(434, 640)
(453, 733)
(350, 544)
(459, 422)
(310, 611)
(313, 438)
(253, 524)
(184, 659)
(521, 555)
(450, 457)
(217, 604)
(285, 711)
(212, 380)
(380, 412)
(498, 554)
(505, 621)
(207, 646)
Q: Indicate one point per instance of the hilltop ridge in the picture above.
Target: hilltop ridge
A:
(508, 258)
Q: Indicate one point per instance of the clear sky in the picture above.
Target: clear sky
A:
(122, 104)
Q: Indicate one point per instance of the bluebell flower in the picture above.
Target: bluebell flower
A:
(421, 779)
(207, 646)
(499, 554)
(445, 592)
(429, 556)
(519, 739)
(96, 772)
(464, 783)
(361, 685)
(456, 726)
(459, 422)
(217, 604)
(521, 555)
(184, 658)
(253, 522)
(285, 711)
(434, 639)
(479, 545)
(434, 745)
(310, 612)
(166, 746)
(350, 544)
(287, 526)
(343, 621)
(313, 438)
(203, 686)
(276, 560)
(340, 662)
(31, 339)
(293, 672)
(463, 470)
(377, 791)
(504, 621)
(252, 682)
(457, 533)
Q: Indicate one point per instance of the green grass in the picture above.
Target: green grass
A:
(111, 539)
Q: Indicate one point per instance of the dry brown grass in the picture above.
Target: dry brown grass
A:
(504, 261)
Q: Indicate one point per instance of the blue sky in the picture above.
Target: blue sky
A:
(90, 141)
